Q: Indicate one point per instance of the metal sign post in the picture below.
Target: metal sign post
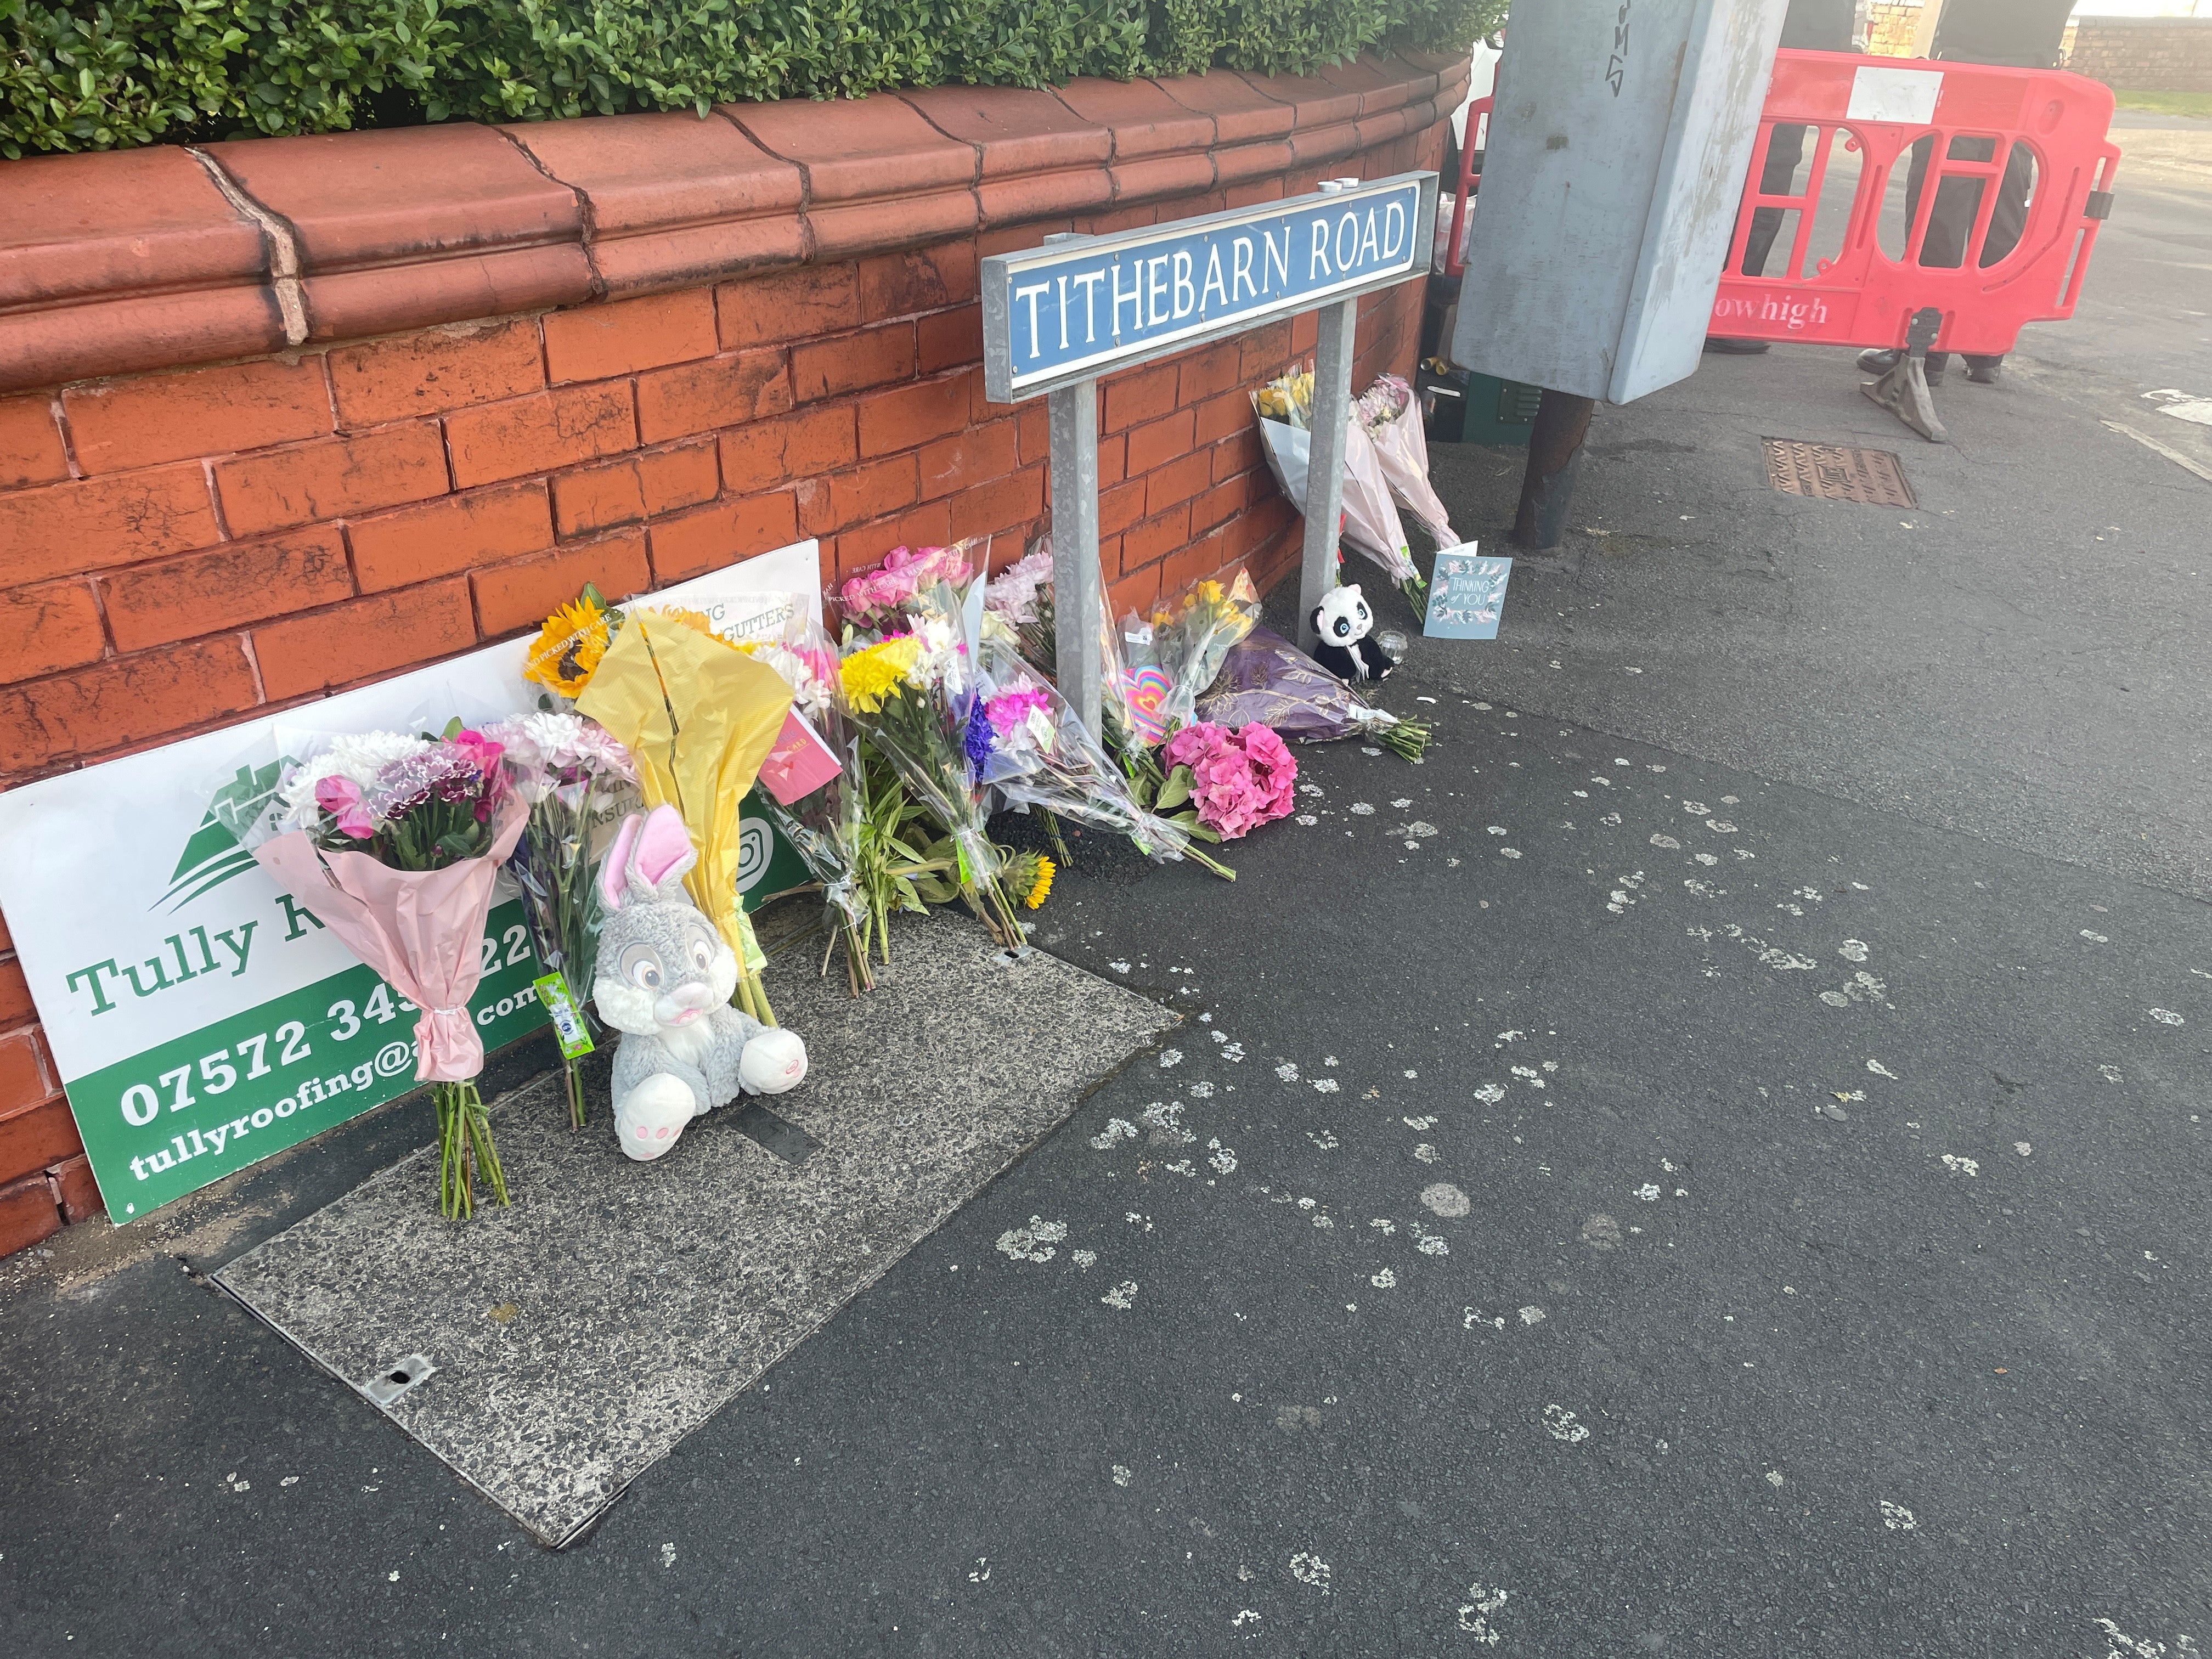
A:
(1058, 316)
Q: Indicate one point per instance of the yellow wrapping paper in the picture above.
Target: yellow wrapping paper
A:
(699, 716)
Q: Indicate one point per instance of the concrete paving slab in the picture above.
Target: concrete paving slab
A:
(551, 1352)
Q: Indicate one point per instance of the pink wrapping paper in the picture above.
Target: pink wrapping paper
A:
(422, 929)
(1403, 450)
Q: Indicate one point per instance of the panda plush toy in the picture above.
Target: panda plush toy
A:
(1342, 622)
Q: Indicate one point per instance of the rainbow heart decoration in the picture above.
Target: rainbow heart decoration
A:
(1148, 690)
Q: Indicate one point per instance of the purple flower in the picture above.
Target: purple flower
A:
(979, 742)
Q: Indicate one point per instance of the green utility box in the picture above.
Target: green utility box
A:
(1461, 407)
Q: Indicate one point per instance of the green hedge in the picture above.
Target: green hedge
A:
(111, 74)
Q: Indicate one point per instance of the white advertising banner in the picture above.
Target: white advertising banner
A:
(200, 1017)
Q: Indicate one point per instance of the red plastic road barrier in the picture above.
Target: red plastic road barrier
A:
(1958, 252)
(1477, 129)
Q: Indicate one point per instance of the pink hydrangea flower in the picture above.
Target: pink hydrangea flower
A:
(1239, 781)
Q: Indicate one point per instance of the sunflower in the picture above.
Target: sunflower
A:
(569, 648)
(871, 676)
(1042, 889)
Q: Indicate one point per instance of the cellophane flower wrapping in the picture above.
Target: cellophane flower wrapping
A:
(1192, 635)
(876, 598)
(394, 842)
(1392, 420)
(697, 716)
(1036, 753)
(825, 826)
(573, 776)
(1239, 779)
(912, 691)
(1026, 598)
(1268, 680)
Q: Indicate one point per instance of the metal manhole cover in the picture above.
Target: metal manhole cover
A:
(1832, 473)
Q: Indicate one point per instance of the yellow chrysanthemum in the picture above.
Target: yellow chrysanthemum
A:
(569, 648)
(871, 676)
(1042, 890)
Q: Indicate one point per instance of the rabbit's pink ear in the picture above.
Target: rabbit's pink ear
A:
(613, 869)
(664, 847)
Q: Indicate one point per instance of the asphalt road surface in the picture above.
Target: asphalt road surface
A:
(1712, 1163)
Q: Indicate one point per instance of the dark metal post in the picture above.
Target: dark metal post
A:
(1555, 455)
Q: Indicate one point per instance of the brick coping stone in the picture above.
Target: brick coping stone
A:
(118, 263)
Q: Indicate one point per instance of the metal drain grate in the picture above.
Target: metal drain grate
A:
(1832, 473)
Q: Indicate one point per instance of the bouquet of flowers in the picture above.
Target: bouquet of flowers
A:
(1036, 753)
(829, 826)
(913, 695)
(697, 716)
(1370, 522)
(1237, 781)
(1266, 678)
(1191, 640)
(394, 842)
(875, 598)
(570, 775)
(1392, 422)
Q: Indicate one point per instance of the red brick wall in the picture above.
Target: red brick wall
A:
(182, 548)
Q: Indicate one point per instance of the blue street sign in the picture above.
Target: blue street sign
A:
(1081, 306)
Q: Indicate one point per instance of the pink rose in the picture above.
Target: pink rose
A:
(481, 752)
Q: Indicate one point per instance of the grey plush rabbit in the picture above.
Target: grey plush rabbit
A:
(665, 979)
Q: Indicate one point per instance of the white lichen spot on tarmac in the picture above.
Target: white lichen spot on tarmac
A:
(1223, 1159)
(1117, 1128)
(1034, 1243)
(1895, 1517)
(1489, 1094)
(1963, 1166)
(1560, 1425)
(1122, 1296)
(1473, 1319)
(1309, 1568)
(2111, 1073)
(1476, 1612)
(1121, 1472)
(2168, 1016)
(1382, 1278)
(1532, 1316)
(2119, 1645)
(1443, 1199)
(1171, 1057)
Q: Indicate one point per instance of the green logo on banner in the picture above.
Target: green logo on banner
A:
(213, 855)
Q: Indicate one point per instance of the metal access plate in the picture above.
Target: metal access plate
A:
(1833, 473)
(551, 1353)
